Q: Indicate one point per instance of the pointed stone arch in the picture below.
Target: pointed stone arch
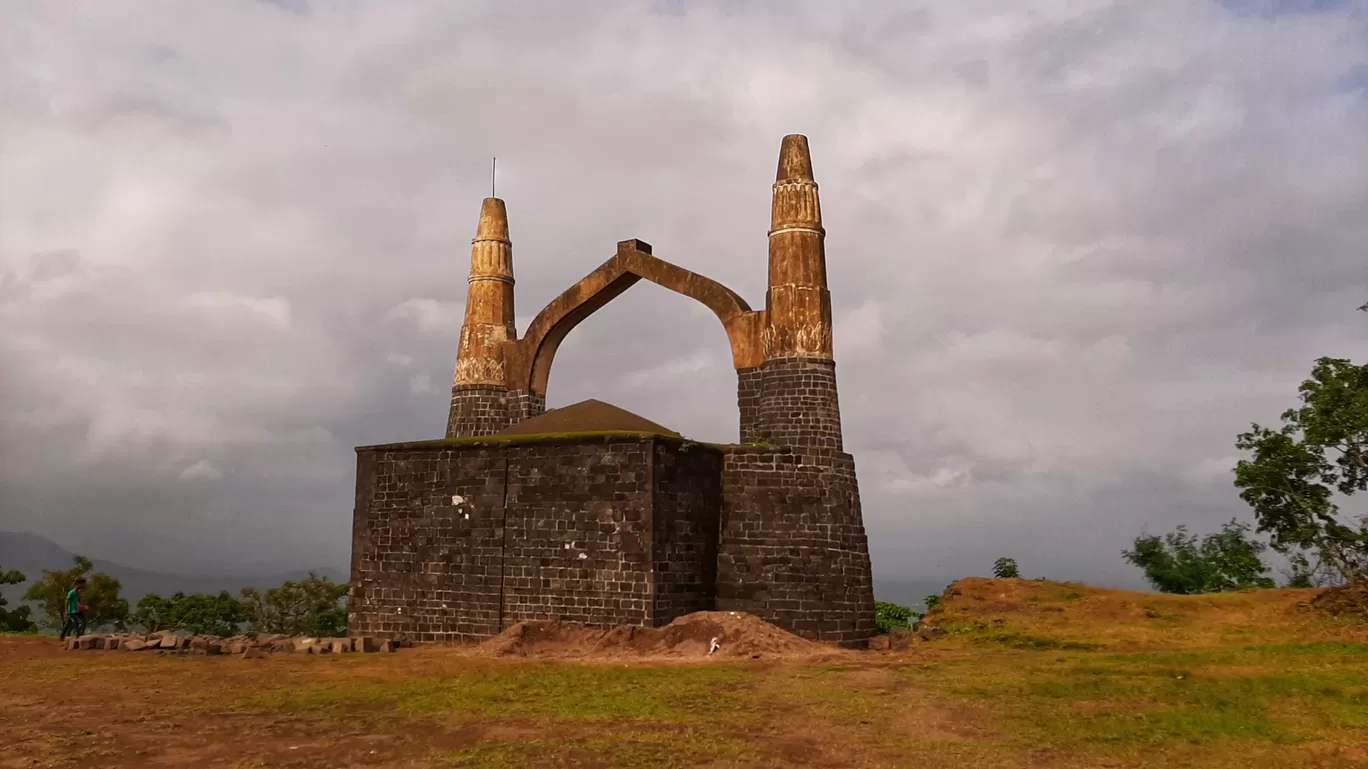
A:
(529, 359)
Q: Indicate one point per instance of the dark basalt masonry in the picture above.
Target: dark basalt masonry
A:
(458, 539)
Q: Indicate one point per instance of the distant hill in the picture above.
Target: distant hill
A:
(32, 554)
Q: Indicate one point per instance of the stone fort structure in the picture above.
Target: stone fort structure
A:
(507, 519)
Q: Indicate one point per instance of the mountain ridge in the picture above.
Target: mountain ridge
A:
(32, 554)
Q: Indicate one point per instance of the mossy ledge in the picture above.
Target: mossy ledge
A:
(594, 436)
(590, 436)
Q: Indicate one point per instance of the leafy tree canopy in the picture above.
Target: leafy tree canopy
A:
(106, 608)
(1006, 568)
(14, 620)
(220, 615)
(1298, 471)
(312, 607)
(891, 616)
(1179, 563)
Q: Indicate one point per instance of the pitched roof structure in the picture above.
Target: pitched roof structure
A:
(586, 417)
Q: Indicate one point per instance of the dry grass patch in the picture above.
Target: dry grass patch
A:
(1033, 674)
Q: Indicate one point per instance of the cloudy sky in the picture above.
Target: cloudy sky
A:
(1074, 248)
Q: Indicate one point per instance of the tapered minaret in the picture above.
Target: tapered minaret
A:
(797, 402)
(479, 390)
(798, 301)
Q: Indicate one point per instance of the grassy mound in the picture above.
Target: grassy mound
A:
(1039, 614)
(1344, 601)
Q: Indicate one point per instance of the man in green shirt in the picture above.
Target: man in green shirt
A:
(75, 620)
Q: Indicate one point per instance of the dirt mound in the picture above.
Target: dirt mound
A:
(738, 635)
(587, 416)
(1344, 601)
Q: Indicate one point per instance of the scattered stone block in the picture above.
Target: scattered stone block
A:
(386, 646)
(339, 646)
(113, 643)
(367, 644)
(253, 653)
(132, 645)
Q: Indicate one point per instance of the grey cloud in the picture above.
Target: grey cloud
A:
(1073, 249)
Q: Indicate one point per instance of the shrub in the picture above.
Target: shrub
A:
(891, 616)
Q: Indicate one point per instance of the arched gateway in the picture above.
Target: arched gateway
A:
(460, 538)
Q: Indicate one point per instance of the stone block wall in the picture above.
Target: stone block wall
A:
(477, 410)
(792, 545)
(523, 405)
(579, 533)
(427, 543)
(749, 389)
(457, 540)
(687, 484)
(798, 403)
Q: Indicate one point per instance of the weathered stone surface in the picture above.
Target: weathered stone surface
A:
(455, 542)
(367, 644)
(793, 548)
(133, 645)
(169, 642)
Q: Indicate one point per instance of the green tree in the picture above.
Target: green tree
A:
(14, 620)
(220, 615)
(1180, 563)
(1006, 568)
(314, 606)
(1298, 472)
(891, 616)
(106, 608)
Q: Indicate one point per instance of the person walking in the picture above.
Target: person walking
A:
(74, 623)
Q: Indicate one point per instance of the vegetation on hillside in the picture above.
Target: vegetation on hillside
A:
(14, 620)
(314, 606)
(105, 607)
(891, 616)
(219, 615)
(1179, 563)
